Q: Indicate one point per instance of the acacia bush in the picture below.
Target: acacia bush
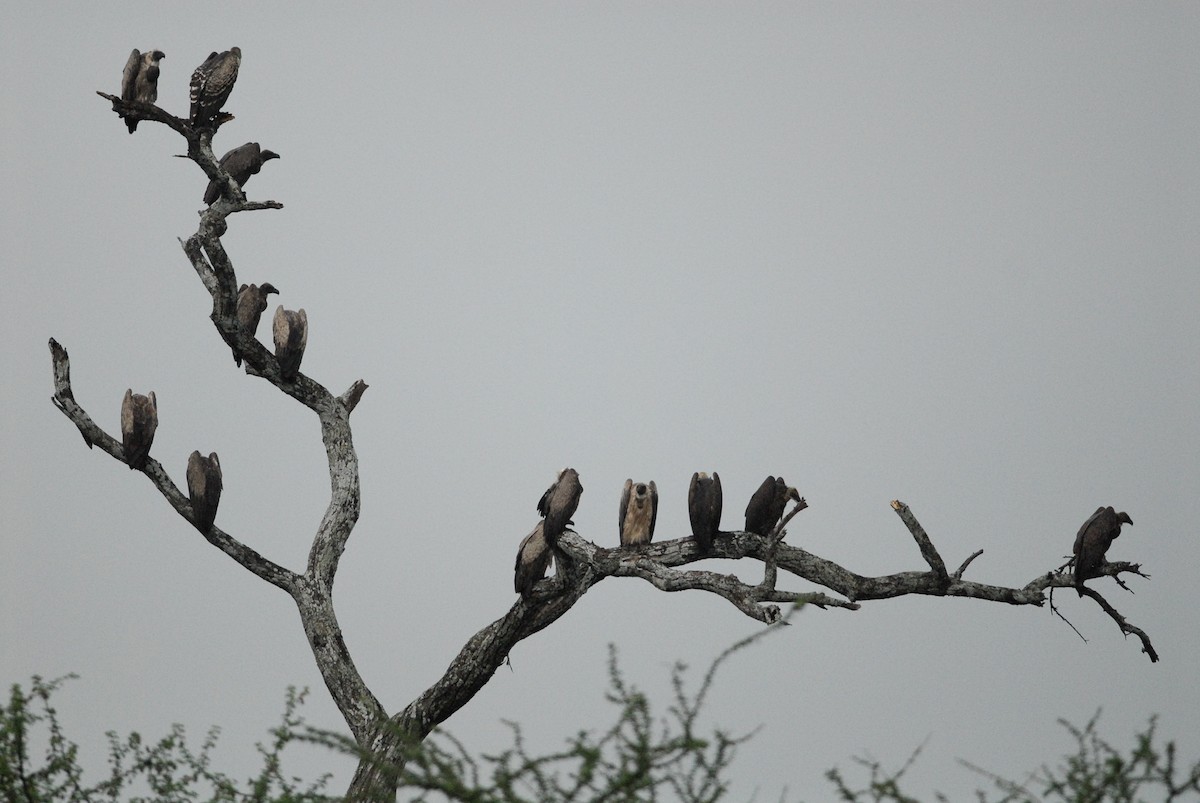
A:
(639, 756)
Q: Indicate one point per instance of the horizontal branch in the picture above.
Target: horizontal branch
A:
(149, 111)
(746, 598)
(581, 564)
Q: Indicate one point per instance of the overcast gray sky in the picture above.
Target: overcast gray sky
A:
(945, 253)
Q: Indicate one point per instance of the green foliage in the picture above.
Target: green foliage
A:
(140, 772)
(1095, 773)
(640, 757)
(882, 786)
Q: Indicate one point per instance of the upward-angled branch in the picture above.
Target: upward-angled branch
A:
(919, 535)
(93, 435)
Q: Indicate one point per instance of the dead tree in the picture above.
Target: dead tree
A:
(580, 564)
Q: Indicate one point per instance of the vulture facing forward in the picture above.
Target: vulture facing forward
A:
(291, 336)
(204, 488)
(139, 419)
(139, 81)
(533, 558)
(766, 505)
(1094, 538)
(251, 301)
(211, 84)
(639, 511)
(242, 162)
(558, 504)
(704, 509)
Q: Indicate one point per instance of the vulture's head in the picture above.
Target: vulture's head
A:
(268, 155)
(1124, 518)
(157, 56)
(266, 288)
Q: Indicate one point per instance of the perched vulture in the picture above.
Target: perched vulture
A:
(204, 488)
(242, 162)
(639, 511)
(139, 419)
(211, 84)
(533, 558)
(558, 504)
(291, 336)
(704, 508)
(251, 301)
(766, 506)
(139, 81)
(1094, 538)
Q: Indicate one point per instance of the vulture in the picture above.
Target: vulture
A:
(139, 419)
(291, 336)
(704, 508)
(139, 81)
(211, 84)
(251, 301)
(558, 504)
(1094, 538)
(204, 488)
(242, 162)
(639, 511)
(533, 558)
(766, 506)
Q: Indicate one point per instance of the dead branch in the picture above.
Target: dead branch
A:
(1054, 609)
(959, 572)
(64, 400)
(1126, 628)
(770, 571)
(928, 552)
(350, 398)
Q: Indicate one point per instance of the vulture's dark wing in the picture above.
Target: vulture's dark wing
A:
(1083, 529)
(653, 509)
(236, 163)
(1093, 542)
(624, 507)
(204, 488)
(704, 509)
(139, 420)
(290, 330)
(695, 516)
(560, 503)
(533, 558)
(129, 75)
(211, 84)
(758, 511)
(716, 502)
